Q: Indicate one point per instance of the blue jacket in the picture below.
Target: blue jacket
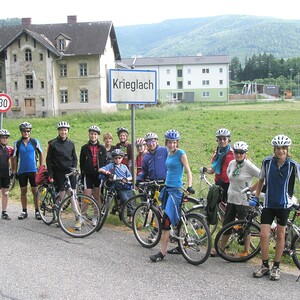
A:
(153, 166)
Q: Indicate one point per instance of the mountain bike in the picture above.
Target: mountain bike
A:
(240, 233)
(78, 215)
(191, 233)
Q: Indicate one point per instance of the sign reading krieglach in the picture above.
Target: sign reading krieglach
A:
(132, 86)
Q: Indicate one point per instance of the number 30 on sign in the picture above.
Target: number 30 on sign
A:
(5, 103)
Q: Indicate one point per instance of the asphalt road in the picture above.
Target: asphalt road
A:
(41, 262)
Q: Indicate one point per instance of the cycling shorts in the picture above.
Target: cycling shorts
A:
(269, 214)
(25, 177)
(91, 181)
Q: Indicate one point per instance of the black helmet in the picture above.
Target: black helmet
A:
(25, 125)
(122, 129)
(117, 152)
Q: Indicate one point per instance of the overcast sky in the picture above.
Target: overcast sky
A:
(134, 12)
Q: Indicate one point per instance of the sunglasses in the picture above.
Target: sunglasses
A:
(4, 137)
(151, 141)
(118, 157)
(222, 138)
(26, 131)
(239, 152)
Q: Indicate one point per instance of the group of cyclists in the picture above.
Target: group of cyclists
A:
(231, 168)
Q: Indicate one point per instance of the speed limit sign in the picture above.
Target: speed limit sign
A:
(5, 103)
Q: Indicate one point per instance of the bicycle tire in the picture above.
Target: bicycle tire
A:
(147, 226)
(46, 204)
(295, 247)
(128, 208)
(81, 210)
(195, 240)
(238, 230)
(104, 210)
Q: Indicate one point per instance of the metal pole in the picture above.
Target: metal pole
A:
(1, 120)
(133, 140)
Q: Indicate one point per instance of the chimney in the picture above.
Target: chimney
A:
(72, 19)
(26, 21)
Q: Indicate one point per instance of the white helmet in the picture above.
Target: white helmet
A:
(223, 132)
(63, 124)
(240, 146)
(151, 136)
(281, 140)
(140, 141)
(95, 129)
(4, 132)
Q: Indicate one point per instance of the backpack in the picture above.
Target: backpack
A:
(214, 196)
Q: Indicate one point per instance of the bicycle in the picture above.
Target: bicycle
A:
(110, 195)
(78, 215)
(191, 233)
(237, 233)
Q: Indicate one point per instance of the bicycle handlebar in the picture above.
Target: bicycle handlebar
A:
(203, 177)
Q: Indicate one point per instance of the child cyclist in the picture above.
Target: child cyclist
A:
(142, 151)
(6, 153)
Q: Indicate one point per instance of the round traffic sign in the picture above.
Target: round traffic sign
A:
(5, 103)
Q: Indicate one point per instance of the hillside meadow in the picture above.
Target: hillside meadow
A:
(255, 123)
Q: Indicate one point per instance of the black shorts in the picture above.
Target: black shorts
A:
(25, 177)
(59, 180)
(4, 182)
(234, 211)
(91, 181)
(269, 214)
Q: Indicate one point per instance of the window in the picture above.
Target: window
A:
(205, 94)
(168, 71)
(220, 70)
(61, 44)
(189, 71)
(29, 81)
(16, 102)
(179, 73)
(220, 82)
(15, 57)
(168, 83)
(205, 82)
(16, 85)
(205, 71)
(189, 82)
(42, 102)
(63, 70)
(63, 96)
(41, 57)
(221, 94)
(84, 96)
(42, 84)
(179, 84)
(28, 55)
(82, 69)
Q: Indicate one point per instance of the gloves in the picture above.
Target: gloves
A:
(203, 170)
(190, 190)
(137, 183)
(254, 201)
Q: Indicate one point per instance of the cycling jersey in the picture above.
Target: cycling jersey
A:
(5, 153)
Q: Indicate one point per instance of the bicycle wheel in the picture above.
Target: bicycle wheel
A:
(79, 216)
(295, 247)
(194, 239)
(128, 208)
(104, 210)
(46, 204)
(238, 241)
(147, 227)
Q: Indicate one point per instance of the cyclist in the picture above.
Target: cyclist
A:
(125, 146)
(171, 195)
(27, 151)
(241, 172)
(107, 139)
(92, 157)
(278, 172)
(223, 154)
(6, 153)
(153, 165)
(62, 158)
(142, 151)
(120, 170)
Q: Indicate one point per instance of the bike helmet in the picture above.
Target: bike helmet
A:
(223, 132)
(172, 135)
(281, 140)
(122, 129)
(95, 129)
(25, 125)
(150, 136)
(240, 146)
(63, 124)
(117, 152)
(4, 132)
(140, 141)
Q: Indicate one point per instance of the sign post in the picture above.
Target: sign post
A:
(132, 87)
(5, 105)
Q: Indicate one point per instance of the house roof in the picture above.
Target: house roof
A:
(180, 60)
(86, 38)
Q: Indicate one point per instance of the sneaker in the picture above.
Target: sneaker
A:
(157, 257)
(94, 221)
(275, 273)
(263, 270)
(77, 225)
(38, 215)
(23, 215)
(244, 254)
(5, 216)
(174, 251)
